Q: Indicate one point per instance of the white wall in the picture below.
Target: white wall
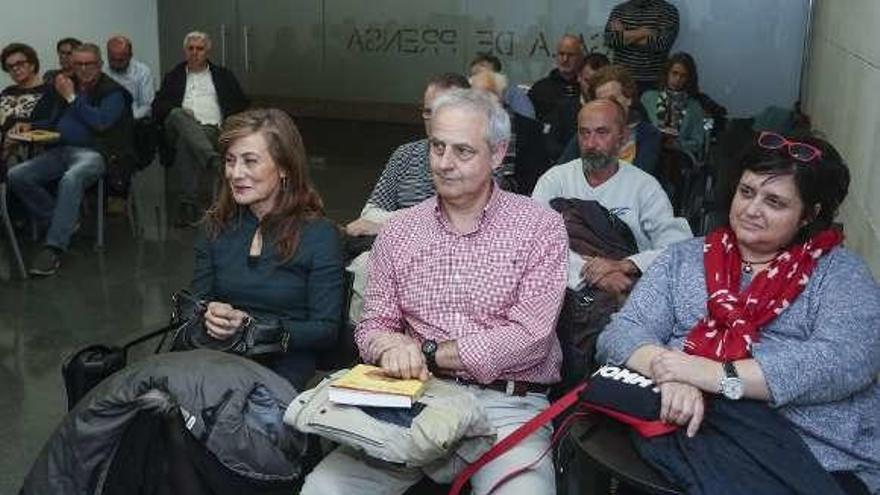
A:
(843, 100)
(726, 36)
(40, 23)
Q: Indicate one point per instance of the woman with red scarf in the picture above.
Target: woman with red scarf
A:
(769, 317)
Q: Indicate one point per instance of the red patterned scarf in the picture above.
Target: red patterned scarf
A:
(734, 319)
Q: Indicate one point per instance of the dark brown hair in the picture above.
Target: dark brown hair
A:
(72, 42)
(29, 54)
(596, 60)
(823, 182)
(297, 199)
(611, 73)
(692, 85)
(486, 57)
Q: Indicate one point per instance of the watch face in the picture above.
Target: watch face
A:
(429, 347)
(732, 388)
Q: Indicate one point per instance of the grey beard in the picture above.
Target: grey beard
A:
(593, 161)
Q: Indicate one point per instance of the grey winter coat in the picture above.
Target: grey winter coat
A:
(245, 432)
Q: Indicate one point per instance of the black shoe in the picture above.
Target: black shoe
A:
(46, 263)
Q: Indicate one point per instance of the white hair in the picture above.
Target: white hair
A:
(480, 102)
(197, 35)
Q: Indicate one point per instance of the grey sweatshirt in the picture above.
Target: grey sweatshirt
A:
(820, 358)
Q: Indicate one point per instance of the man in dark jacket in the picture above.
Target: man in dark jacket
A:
(92, 114)
(195, 97)
(556, 93)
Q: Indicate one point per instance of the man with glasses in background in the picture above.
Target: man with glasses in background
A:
(92, 114)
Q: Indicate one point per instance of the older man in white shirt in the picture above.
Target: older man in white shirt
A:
(194, 99)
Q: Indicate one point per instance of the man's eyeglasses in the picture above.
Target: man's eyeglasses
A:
(801, 152)
(426, 113)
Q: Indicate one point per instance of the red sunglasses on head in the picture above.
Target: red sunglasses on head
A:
(801, 152)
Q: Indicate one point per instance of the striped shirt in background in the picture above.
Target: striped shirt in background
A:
(406, 180)
(645, 62)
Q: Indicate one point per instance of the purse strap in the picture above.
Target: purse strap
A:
(547, 415)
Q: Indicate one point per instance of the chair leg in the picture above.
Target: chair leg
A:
(131, 209)
(10, 234)
(99, 243)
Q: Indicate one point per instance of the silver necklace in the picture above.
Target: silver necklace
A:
(748, 265)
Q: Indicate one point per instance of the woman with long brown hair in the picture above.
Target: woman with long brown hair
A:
(266, 251)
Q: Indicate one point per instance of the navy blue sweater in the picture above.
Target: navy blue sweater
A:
(304, 295)
(79, 122)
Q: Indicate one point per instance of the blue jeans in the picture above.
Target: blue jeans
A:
(77, 168)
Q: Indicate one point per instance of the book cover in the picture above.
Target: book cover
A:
(372, 385)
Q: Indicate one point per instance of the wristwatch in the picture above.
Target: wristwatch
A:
(731, 383)
(429, 349)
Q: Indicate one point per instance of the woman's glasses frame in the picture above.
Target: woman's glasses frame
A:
(802, 152)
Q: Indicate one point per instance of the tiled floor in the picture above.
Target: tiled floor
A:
(116, 294)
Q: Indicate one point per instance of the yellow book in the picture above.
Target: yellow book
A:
(366, 385)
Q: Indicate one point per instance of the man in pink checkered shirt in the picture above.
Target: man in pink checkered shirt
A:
(465, 286)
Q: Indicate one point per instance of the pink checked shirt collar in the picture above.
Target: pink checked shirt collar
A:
(488, 210)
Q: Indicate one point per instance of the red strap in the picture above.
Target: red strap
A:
(645, 428)
(514, 438)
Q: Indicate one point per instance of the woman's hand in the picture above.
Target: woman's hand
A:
(676, 366)
(222, 320)
(682, 404)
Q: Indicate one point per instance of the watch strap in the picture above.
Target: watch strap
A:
(729, 369)
(430, 356)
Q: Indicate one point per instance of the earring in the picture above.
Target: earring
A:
(284, 183)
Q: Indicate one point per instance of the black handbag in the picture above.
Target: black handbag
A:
(254, 338)
(90, 365)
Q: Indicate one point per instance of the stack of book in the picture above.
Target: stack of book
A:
(366, 385)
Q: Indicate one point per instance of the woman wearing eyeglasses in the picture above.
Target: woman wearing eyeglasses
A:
(18, 100)
(763, 337)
